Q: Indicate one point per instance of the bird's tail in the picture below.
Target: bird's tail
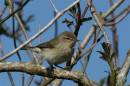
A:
(34, 49)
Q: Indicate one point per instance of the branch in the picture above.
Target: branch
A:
(55, 9)
(124, 11)
(113, 8)
(98, 20)
(6, 18)
(121, 78)
(121, 16)
(41, 71)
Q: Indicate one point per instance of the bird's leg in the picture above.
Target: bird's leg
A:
(51, 67)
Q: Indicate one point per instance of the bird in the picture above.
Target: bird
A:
(57, 50)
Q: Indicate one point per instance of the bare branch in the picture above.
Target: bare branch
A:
(98, 20)
(124, 11)
(113, 8)
(6, 18)
(41, 71)
(55, 9)
(121, 78)
(87, 38)
(85, 11)
(122, 17)
(2, 11)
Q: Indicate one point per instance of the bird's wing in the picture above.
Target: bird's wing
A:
(45, 45)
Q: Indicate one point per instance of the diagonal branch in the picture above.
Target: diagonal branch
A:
(6, 18)
(98, 20)
(113, 8)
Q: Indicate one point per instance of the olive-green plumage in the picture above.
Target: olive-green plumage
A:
(59, 49)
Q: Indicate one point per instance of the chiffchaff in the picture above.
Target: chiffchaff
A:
(57, 50)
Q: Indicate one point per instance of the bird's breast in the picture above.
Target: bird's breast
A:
(56, 55)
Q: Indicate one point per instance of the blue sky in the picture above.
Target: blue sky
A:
(43, 13)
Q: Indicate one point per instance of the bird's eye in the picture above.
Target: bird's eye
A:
(68, 38)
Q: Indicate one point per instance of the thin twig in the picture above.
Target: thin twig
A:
(11, 78)
(98, 21)
(56, 26)
(87, 38)
(85, 11)
(55, 9)
(3, 10)
(8, 73)
(15, 46)
(6, 18)
(119, 20)
(126, 10)
(22, 28)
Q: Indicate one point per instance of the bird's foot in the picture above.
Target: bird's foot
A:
(51, 67)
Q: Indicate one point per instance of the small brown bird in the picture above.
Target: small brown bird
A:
(57, 50)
